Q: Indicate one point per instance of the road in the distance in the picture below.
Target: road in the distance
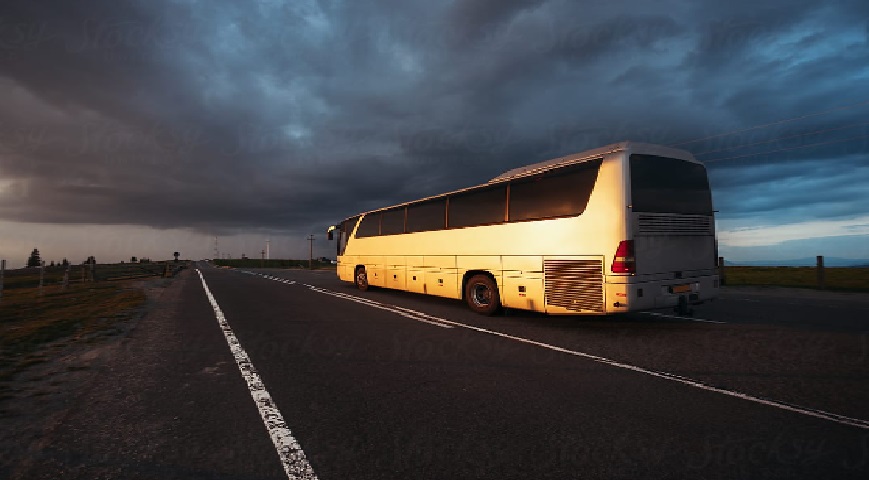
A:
(392, 385)
(373, 394)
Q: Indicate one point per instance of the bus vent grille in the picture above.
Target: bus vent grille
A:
(669, 224)
(574, 284)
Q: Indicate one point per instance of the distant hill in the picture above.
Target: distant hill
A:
(803, 262)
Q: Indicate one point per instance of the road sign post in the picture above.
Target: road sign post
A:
(820, 268)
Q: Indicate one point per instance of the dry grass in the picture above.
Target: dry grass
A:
(840, 279)
(31, 323)
(29, 277)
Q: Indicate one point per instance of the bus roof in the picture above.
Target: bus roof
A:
(631, 147)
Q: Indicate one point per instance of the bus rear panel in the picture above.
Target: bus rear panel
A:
(670, 257)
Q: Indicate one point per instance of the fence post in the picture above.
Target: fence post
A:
(821, 272)
(721, 271)
(2, 276)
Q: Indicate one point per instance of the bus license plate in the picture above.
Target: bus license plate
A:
(681, 288)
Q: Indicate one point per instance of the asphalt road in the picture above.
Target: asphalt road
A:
(762, 383)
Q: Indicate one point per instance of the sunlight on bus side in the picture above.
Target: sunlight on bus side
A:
(621, 228)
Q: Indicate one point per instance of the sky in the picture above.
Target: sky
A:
(140, 128)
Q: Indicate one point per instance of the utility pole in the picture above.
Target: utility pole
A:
(268, 241)
(2, 274)
(311, 254)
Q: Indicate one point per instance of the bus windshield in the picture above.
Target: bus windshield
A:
(669, 185)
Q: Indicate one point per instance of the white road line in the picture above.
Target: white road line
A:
(404, 312)
(655, 314)
(277, 279)
(705, 321)
(811, 412)
(292, 457)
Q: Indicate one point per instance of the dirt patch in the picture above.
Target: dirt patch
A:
(52, 346)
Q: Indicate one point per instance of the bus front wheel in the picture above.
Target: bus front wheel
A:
(482, 296)
(361, 279)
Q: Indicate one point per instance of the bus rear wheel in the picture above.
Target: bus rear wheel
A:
(482, 296)
(361, 279)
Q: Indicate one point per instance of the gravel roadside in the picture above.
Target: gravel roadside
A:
(38, 399)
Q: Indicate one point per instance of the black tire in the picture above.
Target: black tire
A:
(481, 294)
(360, 278)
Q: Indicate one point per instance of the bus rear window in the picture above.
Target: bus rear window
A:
(669, 185)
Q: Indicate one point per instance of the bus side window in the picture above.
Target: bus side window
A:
(370, 226)
(427, 216)
(484, 206)
(560, 193)
(392, 221)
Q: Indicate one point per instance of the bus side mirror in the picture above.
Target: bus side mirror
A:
(329, 234)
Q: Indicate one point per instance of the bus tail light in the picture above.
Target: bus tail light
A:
(624, 260)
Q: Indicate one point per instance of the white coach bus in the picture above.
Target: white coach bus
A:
(625, 227)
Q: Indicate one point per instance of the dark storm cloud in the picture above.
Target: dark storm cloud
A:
(470, 20)
(288, 115)
(804, 189)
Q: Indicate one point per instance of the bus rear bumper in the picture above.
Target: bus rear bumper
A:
(649, 295)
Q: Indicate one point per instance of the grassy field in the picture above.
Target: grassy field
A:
(839, 279)
(33, 325)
